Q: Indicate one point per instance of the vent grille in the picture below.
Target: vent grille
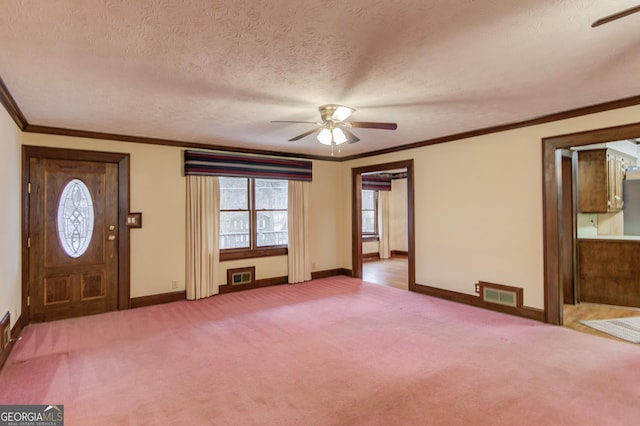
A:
(241, 276)
(500, 294)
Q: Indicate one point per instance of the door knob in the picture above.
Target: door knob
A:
(111, 237)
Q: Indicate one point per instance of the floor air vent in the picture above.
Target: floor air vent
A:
(500, 294)
(241, 276)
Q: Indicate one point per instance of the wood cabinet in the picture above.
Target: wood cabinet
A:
(609, 271)
(600, 176)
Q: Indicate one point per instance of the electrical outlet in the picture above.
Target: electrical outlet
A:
(174, 284)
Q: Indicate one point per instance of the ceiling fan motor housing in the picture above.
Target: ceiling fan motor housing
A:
(334, 112)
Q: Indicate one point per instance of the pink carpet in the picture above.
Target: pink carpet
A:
(335, 351)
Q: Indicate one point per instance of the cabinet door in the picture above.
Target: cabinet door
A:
(593, 182)
(621, 166)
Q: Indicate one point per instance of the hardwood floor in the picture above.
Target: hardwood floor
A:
(391, 272)
(394, 273)
(593, 311)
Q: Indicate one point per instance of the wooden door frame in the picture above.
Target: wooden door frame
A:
(124, 251)
(551, 191)
(356, 216)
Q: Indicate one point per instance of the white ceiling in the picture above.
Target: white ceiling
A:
(217, 72)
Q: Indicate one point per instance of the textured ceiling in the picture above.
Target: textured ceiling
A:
(217, 72)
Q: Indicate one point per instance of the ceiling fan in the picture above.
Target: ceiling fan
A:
(333, 127)
(615, 16)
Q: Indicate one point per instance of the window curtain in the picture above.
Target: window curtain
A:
(383, 224)
(203, 235)
(298, 216)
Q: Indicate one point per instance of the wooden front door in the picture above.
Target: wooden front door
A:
(73, 238)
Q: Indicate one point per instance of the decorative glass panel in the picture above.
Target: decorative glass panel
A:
(75, 218)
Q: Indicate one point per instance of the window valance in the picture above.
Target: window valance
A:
(376, 182)
(237, 165)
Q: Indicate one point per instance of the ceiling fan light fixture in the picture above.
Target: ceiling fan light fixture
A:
(338, 136)
(333, 130)
(325, 137)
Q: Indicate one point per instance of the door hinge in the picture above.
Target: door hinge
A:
(29, 188)
(29, 242)
(28, 300)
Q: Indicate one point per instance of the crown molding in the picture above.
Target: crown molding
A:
(11, 106)
(165, 142)
(14, 111)
(591, 109)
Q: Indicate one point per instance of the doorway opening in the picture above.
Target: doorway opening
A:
(557, 210)
(363, 247)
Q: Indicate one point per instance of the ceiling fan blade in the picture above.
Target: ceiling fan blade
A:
(615, 16)
(372, 125)
(303, 135)
(351, 138)
(306, 122)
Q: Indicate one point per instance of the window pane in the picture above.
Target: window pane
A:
(271, 194)
(234, 230)
(368, 199)
(272, 228)
(368, 222)
(234, 193)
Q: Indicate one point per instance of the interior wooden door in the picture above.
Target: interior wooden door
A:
(73, 247)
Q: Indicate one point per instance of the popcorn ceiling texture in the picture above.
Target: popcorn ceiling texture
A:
(219, 71)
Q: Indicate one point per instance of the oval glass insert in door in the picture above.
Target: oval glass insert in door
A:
(75, 218)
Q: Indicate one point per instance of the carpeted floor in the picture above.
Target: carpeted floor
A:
(335, 351)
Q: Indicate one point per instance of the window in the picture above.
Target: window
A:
(369, 213)
(253, 214)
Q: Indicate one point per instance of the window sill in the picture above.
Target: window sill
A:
(249, 254)
(369, 238)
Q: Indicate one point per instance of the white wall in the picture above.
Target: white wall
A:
(325, 195)
(370, 247)
(478, 206)
(398, 237)
(10, 218)
(158, 190)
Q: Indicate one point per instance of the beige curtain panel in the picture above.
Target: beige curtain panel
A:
(299, 266)
(203, 234)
